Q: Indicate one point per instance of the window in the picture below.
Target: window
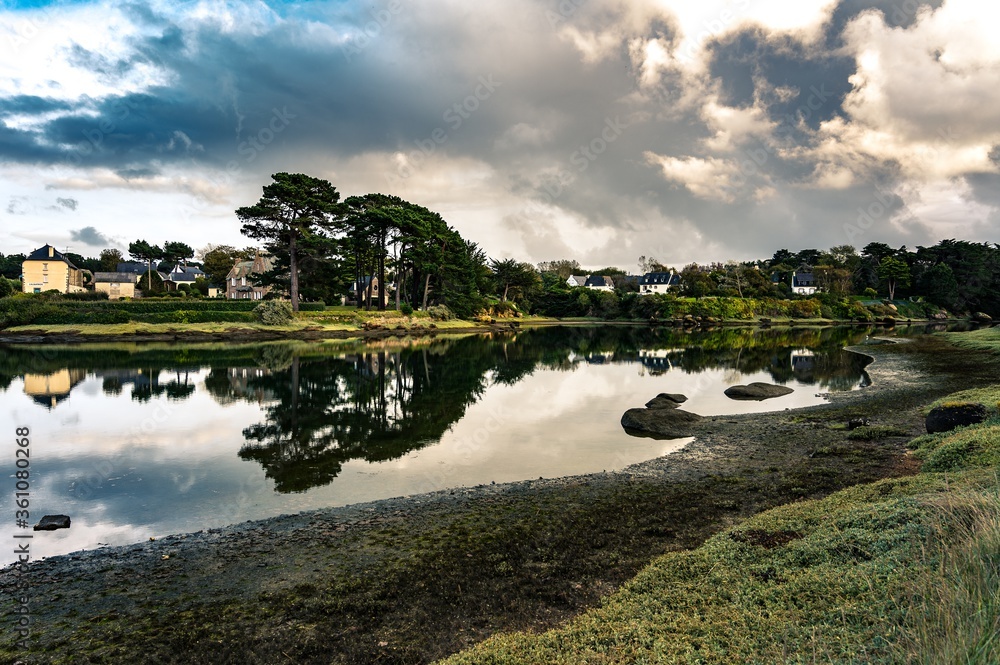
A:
(45, 266)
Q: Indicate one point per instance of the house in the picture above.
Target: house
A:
(48, 269)
(600, 283)
(133, 268)
(51, 389)
(658, 282)
(369, 287)
(115, 284)
(804, 282)
(181, 275)
(576, 280)
(240, 284)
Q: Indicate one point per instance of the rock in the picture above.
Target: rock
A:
(939, 316)
(670, 423)
(948, 417)
(666, 401)
(889, 321)
(982, 317)
(757, 391)
(52, 522)
(855, 423)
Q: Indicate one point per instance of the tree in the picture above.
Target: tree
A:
(562, 267)
(293, 210)
(177, 252)
(110, 258)
(894, 273)
(10, 266)
(782, 257)
(140, 250)
(510, 274)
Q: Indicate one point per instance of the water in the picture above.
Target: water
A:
(142, 440)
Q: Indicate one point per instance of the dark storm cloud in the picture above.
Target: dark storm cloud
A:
(88, 235)
(751, 64)
(897, 13)
(69, 204)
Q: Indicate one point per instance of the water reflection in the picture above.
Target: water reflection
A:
(322, 405)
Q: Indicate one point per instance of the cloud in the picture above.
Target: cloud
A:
(745, 125)
(69, 204)
(90, 236)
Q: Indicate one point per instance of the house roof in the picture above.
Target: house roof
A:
(579, 280)
(186, 274)
(803, 278)
(133, 267)
(42, 254)
(667, 278)
(261, 263)
(114, 277)
(599, 280)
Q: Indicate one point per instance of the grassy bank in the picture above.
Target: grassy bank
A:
(899, 571)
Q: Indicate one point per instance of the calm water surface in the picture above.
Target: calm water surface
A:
(134, 441)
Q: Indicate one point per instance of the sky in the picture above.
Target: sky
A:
(594, 130)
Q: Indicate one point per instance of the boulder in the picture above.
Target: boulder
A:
(855, 423)
(757, 391)
(669, 423)
(52, 522)
(948, 417)
(982, 317)
(666, 401)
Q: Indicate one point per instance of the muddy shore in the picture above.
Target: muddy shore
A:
(413, 579)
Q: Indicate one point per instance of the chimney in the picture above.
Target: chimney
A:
(52, 251)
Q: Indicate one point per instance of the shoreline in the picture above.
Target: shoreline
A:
(594, 531)
(316, 333)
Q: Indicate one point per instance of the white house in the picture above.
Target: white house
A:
(658, 282)
(576, 280)
(804, 282)
(600, 283)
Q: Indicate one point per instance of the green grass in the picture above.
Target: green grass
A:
(897, 571)
(985, 339)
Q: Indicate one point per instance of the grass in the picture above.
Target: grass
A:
(897, 571)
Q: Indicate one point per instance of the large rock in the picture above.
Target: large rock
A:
(669, 423)
(666, 401)
(982, 317)
(948, 417)
(53, 522)
(757, 391)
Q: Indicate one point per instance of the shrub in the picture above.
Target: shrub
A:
(406, 308)
(274, 312)
(440, 313)
(86, 296)
(870, 293)
(318, 306)
(8, 287)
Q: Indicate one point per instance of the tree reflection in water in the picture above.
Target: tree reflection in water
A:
(324, 404)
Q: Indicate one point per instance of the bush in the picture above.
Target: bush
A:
(8, 287)
(406, 308)
(440, 313)
(86, 296)
(318, 306)
(274, 312)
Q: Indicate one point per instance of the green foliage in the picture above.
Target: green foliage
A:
(870, 293)
(406, 308)
(274, 312)
(874, 433)
(440, 313)
(318, 306)
(8, 287)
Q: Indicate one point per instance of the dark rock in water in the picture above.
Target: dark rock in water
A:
(666, 401)
(855, 423)
(982, 317)
(670, 423)
(53, 522)
(947, 418)
(757, 391)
